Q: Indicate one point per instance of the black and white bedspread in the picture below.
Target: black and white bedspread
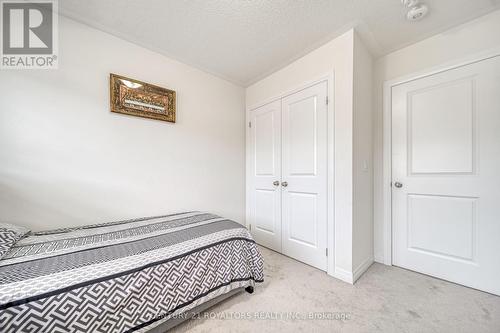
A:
(126, 276)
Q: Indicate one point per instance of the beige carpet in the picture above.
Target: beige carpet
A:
(385, 299)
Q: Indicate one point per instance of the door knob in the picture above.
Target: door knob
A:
(284, 184)
(398, 184)
(276, 183)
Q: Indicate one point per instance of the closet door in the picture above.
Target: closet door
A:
(265, 172)
(304, 175)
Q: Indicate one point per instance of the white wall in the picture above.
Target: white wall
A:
(334, 57)
(65, 159)
(362, 234)
(454, 45)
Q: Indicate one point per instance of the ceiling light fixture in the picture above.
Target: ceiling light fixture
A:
(417, 12)
(409, 3)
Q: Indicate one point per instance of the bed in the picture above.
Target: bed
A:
(136, 275)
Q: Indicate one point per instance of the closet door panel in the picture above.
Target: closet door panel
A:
(304, 175)
(265, 168)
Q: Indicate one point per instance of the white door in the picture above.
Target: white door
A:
(446, 175)
(304, 176)
(265, 171)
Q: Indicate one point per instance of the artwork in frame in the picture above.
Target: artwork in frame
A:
(137, 98)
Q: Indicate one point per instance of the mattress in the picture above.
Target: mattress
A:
(124, 276)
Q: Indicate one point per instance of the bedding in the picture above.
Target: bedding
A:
(126, 276)
(9, 235)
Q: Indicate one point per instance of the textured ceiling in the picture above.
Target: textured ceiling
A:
(244, 40)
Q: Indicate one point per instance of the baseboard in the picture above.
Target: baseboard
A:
(351, 277)
(343, 275)
(379, 258)
(362, 268)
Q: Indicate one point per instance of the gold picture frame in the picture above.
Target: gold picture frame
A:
(141, 99)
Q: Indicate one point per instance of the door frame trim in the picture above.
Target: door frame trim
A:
(329, 77)
(387, 135)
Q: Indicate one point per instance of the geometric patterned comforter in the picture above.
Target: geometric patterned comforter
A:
(125, 276)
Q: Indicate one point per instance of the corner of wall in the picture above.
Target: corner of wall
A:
(361, 268)
(362, 237)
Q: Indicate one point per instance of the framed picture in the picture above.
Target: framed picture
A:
(137, 98)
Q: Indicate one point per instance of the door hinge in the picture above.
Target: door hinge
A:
(326, 100)
(250, 124)
(326, 252)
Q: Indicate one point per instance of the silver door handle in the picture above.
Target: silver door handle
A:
(284, 184)
(398, 184)
(276, 183)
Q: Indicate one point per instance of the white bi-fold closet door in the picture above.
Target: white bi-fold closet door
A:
(288, 175)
